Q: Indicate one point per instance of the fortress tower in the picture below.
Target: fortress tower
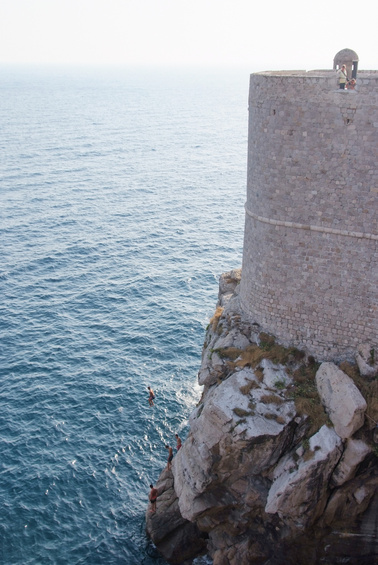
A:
(310, 262)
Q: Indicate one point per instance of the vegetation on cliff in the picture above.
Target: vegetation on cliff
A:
(280, 453)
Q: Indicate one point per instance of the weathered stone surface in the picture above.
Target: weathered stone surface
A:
(177, 539)
(232, 339)
(224, 430)
(228, 282)
(208, 376)
(351, 500)
(355, 452)
(230, 330)
(246, 477)
(183, 544)
(367, 360)
(299, 491)
(246, 551)
(274, 374)
(167, 504)
(343, 401)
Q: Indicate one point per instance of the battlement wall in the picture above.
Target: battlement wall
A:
(310, 273)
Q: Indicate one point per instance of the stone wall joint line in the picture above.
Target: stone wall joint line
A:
(295, 225)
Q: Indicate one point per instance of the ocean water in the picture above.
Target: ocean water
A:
(121, 203)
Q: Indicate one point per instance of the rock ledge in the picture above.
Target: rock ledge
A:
(279, 460)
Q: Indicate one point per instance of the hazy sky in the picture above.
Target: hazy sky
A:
(255, 34)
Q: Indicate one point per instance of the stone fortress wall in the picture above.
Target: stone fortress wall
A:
(310, 262)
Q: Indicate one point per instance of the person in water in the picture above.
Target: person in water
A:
(152, 498)
(178, 446)
(170, 456)
(151, 397)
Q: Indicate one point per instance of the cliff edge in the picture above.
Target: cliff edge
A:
(280, 464)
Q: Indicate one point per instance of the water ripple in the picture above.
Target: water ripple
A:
(121, 203)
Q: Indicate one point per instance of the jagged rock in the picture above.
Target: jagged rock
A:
(353, 538)
(239, 430)
(246, 478)
(239, 340)
(228, 282)
(351, 500)
(299, 491)
(228, 330)
(213, 366)
(343, 401)
(177, 538)
(274, 374)
(208, 377)
(232, 339)
(236, 550)
(366, 360)
(168, 512)
(355, 452)
(211, 371)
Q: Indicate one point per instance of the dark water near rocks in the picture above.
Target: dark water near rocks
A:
(121, 197)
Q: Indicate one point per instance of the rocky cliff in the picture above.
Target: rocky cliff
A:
(280, 464)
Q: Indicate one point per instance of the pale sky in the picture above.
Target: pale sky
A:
(253, 34)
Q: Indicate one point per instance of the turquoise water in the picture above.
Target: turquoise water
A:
(121, 198)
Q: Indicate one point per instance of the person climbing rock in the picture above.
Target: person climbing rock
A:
(178, 440)
(170, 456)
(152, 498)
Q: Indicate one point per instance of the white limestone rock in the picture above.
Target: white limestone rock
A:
(299, 491)
(212, 365)
(232, 339)
(361, 494)
(192, 473)
(205, 377)
(218, 415)
(274, 374)
(341, 398)
(228, 282)
(233, 433)
(367, 365)
(208, 376)
(239, 340)
(241, 466)
(356, 451)
(224, 299)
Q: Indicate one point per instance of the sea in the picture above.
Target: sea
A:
(122, 197)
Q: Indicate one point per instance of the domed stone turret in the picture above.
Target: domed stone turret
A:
(349, 58)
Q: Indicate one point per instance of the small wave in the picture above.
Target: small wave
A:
(112, 252)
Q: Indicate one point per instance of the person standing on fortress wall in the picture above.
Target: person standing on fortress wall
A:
(342, 76)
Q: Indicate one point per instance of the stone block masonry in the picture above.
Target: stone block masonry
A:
(310, 268)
